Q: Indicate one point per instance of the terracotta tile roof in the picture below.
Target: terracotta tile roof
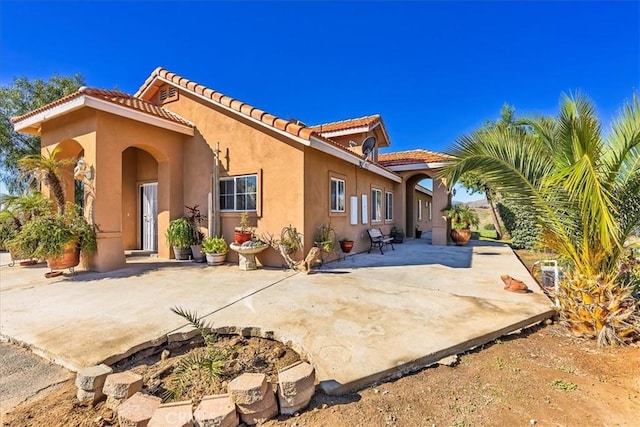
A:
(239, 106)
(114, 97)
(347, 124)
(297, 129)
(411, 157)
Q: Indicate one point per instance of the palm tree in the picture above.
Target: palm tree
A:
(47, 170)
(584, 190)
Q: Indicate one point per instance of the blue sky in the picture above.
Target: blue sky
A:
(434, 70)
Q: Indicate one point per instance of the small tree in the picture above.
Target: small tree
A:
(22, 96)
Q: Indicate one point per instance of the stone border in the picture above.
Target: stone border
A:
(251, 398)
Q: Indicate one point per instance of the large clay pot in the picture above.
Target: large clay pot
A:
(215, 259)
(69, 259)
(182, 254)
(460, 237)
(346, 246)
(240, 237)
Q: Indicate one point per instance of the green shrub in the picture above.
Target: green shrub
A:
(180, 233)
(520, 224)
(489, 227)
(215, 245)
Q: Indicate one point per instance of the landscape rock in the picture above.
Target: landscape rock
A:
(137, 410)
(92, 377)
(296, 387)
(89, 396)
(122, 385)
(248, 388)
(113, 402)
(175, 414)
(216, 411)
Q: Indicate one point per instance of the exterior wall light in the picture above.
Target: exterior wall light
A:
(82, 171)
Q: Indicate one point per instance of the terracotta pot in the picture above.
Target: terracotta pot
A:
(182, 254)
(216, 259)
(346, 246)
(240, 237)
(460, 237)
(69, 259)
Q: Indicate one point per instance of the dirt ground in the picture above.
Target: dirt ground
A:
(540, 376)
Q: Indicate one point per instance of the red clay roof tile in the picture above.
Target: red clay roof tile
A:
(280, 124)
(296, 130)
(114, 97)
(347, 124)
(412, 157)
(246, 109)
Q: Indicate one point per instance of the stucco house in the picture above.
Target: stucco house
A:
(153, 153)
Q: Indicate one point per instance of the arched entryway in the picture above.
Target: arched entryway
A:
(419, 204)
(73, 188)
(140, 185)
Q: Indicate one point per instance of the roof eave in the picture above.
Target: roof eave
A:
(33, 123)
(416, 166)
(354, 159)
(235, 112)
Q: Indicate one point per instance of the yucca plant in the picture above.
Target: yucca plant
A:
(583, 189)
(208, 361)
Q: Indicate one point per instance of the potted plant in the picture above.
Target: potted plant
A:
(397, 234)
(290, 240)
(243, 233)
(14, 212)
(180, 236)
(324, 238)
(418, 232)
(215, 249)
(57, 237)
(462, 218)
(346, 245)
(196, 219)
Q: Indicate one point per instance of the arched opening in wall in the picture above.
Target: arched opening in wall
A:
(139, 200)
(419, 206)
(74, 189)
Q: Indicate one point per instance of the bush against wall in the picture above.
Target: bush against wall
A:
(520, 223)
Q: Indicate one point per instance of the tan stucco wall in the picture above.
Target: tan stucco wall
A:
(319, 168)
(138, 167)
(425, 199)
(103, 138)
(440, 199)
(245, 148)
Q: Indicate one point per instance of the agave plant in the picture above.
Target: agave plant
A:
(584, 191)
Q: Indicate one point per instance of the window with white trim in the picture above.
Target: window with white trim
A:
(419, 210)
(430, 214)
(239, 193)
(388, 212)
(376, 205)
(338, 195)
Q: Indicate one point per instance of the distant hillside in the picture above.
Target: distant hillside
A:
(478, 204)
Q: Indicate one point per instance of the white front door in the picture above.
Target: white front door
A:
(149, 216)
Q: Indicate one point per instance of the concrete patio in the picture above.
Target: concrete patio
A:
(363, 319)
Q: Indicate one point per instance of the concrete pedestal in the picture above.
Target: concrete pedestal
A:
(247, 256)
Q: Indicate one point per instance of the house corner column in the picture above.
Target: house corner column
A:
(104, 208)
(441, 198)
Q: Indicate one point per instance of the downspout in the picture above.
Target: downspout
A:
(214, 191)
